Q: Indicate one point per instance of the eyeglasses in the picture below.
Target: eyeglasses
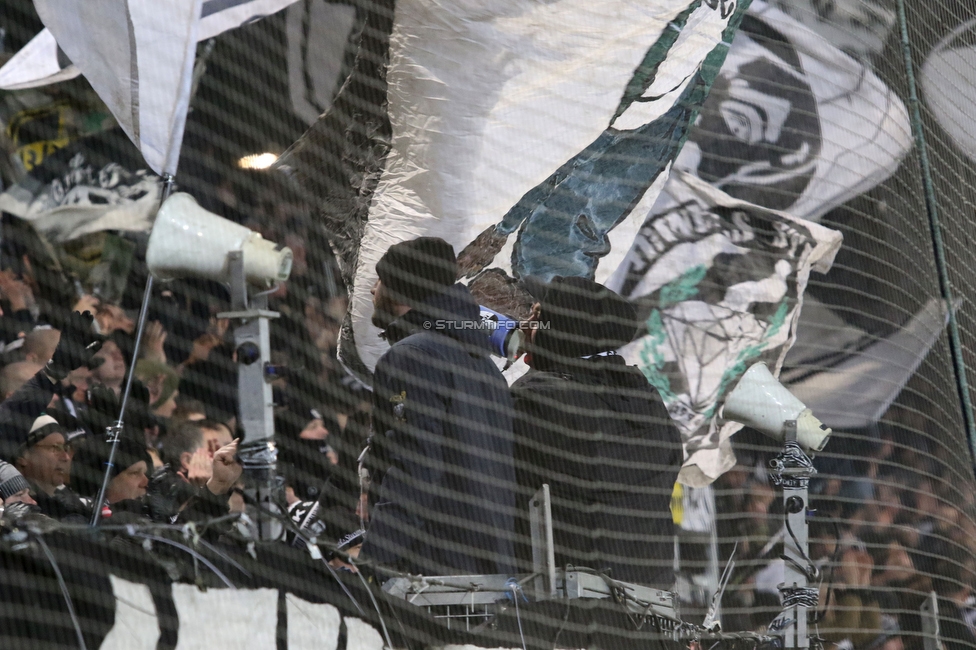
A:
(65, 448)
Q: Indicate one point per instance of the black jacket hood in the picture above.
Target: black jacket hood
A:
(602, 370)
(452, 313)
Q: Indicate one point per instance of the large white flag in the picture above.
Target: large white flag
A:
(849, 378)
(499, 113)
(39, 63)
(138, 57)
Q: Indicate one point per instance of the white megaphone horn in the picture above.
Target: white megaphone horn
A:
(761, 402)
(188, 241)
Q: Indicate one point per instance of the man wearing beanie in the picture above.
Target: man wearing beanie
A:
(130, 475)
(441, 451)
(44, 458)
(593, 429)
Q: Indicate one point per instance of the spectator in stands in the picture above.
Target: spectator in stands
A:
(189, 409)
(441, 452)
(109, 366)
(953, 582)
(74, 396)
(852, 612)
(162, 382)
(16, 501)
(130, 475)
(305, 452)
(193, 484)
(40, 344)
(592, 428)
(14, 488)
(16, 298)
(15, 375)
(215, 435)
(18, 412)
(111, 318)
(44, 458)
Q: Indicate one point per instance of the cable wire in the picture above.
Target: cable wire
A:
(376, 606)
(196, 555)
(516, 591)
(64, 592)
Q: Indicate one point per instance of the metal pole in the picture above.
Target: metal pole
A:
(792, 470)
(938, 247)
(115, 430)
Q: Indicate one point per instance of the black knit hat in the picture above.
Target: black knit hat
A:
(11, 481)
(91, 458)
(43, 426)
(580, 317)
(414, 269)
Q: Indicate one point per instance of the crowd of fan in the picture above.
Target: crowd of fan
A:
(883, 537)
(892, 524)
(175, 461)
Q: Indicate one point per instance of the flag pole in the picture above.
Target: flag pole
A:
(115, 431)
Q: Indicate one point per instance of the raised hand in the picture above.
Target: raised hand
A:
(200, 468)
(226, 469)
(77, 346)
(153, 340)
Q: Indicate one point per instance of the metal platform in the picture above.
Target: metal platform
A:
(425, 591)
(476, 598)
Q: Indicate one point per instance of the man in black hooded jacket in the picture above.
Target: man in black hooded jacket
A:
(441, 450)
(593, 429)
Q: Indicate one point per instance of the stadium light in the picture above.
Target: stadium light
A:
(257, 160)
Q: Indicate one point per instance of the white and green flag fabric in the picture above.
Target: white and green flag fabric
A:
(720, 284)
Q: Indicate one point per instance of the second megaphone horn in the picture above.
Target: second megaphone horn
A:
(761, 402)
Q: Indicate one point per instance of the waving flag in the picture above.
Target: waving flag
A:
(849, 378)
(501, 118)
(720, 283)
(138, 57)
(792, 125)
(41, 62)
(92, 184)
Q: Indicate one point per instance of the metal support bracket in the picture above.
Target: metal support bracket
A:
(931, 634)
(792, 471)
(251, 317)
(543, 549)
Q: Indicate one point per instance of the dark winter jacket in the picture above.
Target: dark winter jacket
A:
(600, 436)
(441, 451)
(64, 505)
(171, 499)
(18, 412)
